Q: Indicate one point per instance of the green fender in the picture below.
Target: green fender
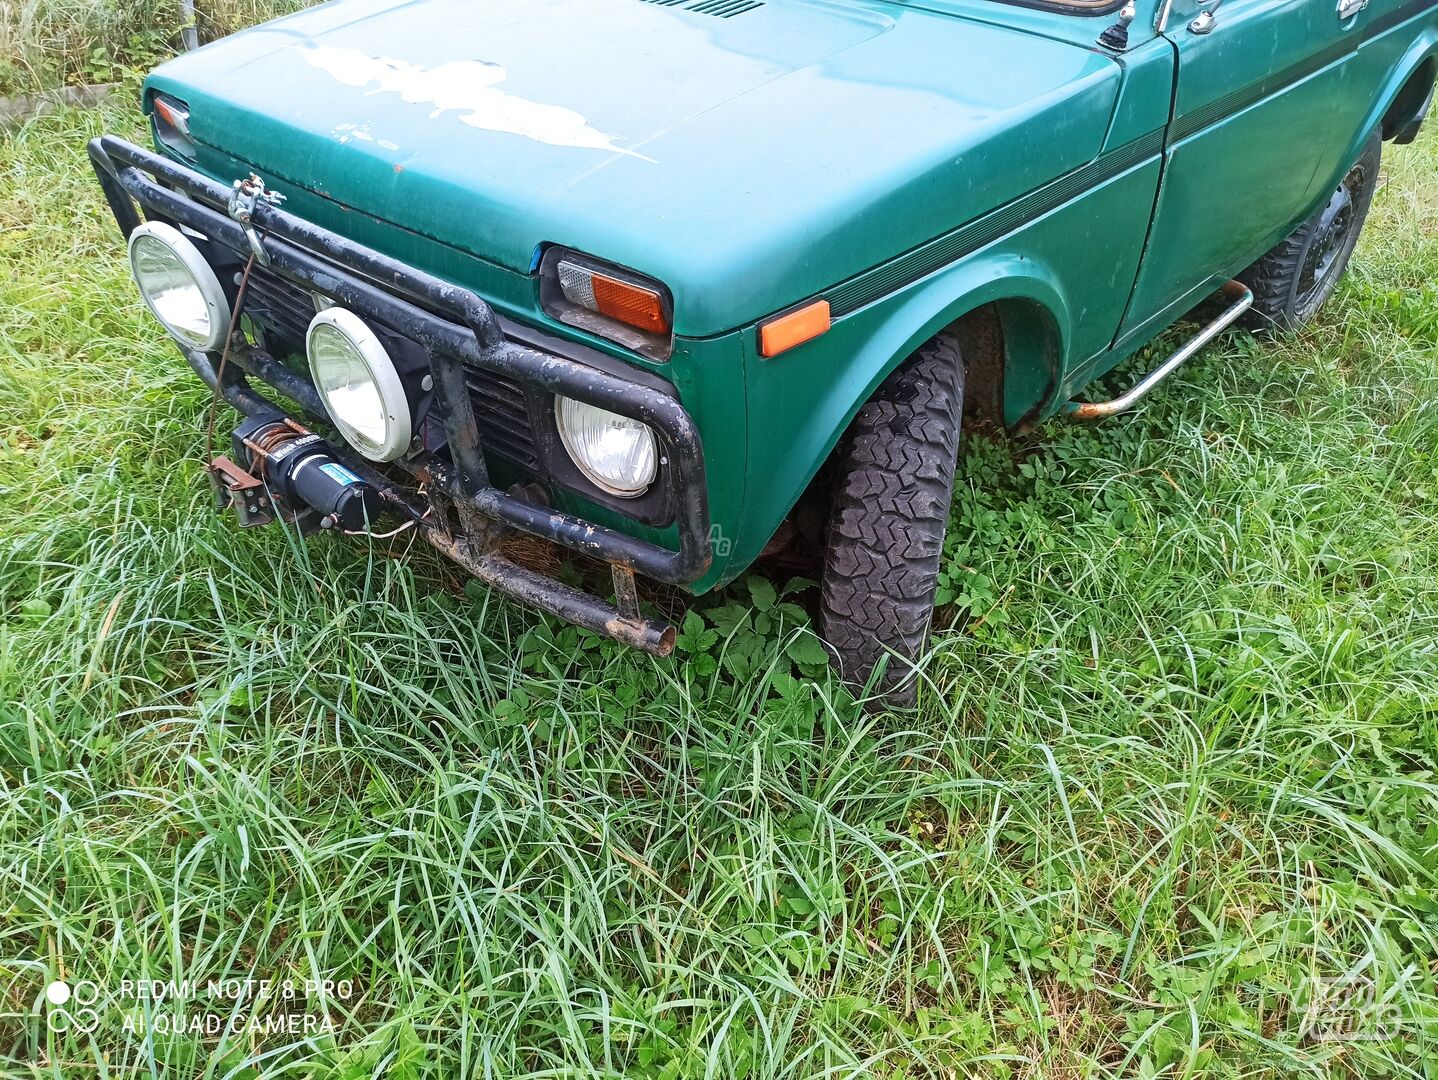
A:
(805, 399)
(1418, 52)
(1060, 283)
(1033, 343)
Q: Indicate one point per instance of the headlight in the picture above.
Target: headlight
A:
(615, 452)
(178, 285)
(359, 384)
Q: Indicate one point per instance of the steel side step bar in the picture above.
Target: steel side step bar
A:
(1239, 298)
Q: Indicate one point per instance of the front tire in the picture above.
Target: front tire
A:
(1298, 276)
(893, 481)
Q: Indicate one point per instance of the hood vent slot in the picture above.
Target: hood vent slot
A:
(720, 9)
(724, 9)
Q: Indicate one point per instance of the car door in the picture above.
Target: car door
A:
(1261, 112)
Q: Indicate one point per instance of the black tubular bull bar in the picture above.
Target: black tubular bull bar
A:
(457, 329)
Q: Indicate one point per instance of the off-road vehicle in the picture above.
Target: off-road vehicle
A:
(672, 282)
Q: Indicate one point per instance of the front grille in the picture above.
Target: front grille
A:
(501, 406)
(282, 310)
(501, 409)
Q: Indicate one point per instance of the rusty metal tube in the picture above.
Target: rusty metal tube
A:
(1239, 298)
(536, 590)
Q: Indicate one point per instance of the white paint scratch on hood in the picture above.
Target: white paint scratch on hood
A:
(349, 132)
(469, 88)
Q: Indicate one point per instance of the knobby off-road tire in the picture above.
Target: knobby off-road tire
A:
(1294, 280)
(893, 480)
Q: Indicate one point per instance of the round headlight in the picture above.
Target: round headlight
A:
(178, 285)
(359, 384)
(616, 453)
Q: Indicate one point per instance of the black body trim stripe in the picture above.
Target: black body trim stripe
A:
(937, 253)
(1240, 99)
(1244, 96)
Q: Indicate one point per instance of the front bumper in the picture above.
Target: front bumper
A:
(461, 512)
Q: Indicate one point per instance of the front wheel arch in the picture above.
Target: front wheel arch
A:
(1030, 309)
(1012, 320)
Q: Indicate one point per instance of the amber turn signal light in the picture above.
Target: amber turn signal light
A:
(641, 308)
(173, 113)
(623, 301)
(172, 125)
(794, 328)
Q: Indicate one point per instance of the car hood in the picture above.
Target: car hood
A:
(748, 153)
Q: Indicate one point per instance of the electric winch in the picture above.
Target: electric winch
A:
(280, 468)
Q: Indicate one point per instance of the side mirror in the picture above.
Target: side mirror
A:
(1205, 21)
(1115, 37)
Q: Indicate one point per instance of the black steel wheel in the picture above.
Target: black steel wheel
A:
(1298, 276)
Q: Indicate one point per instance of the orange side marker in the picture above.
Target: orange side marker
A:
(794, 328)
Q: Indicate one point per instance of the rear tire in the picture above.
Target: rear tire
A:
(1298, 276)
(893, 481)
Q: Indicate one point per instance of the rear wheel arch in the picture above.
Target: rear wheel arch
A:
(1411, 74)
(1411, 102)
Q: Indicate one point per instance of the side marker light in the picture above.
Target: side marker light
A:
(794, 328)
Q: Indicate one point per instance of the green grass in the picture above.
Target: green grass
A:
(1173, 765)
(50, 43)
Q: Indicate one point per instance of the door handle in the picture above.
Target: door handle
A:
(1349, 8)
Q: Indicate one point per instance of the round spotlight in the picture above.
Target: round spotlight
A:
(616, 453)
(359, 384)
(179, 286)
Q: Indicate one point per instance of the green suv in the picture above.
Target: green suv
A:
(673, 284)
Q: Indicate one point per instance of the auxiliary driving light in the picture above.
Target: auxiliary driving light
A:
(615, 452)
(359, 385)
(178, 286)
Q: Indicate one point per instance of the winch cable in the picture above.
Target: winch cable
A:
(225, 358)
(216, 390)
